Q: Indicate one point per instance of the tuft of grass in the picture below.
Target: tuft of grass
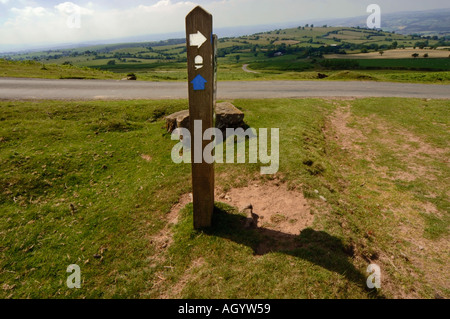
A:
(435, 227)
(350, 75)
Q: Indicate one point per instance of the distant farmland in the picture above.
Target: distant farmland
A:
(394, 54)
(402, 64)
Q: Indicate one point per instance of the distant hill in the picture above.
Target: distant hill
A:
(433, 22)
(427, 23)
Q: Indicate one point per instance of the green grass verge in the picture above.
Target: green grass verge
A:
(32, 69)
(276, 69)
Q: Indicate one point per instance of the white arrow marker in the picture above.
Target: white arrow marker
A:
(197, 39)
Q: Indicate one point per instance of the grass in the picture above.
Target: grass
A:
(33, 69)
(412, 64)
(76, 188)
(273, 69)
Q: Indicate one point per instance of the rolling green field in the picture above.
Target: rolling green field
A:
(227, 72)
(93, 184)
(303, 50)
(408, 64)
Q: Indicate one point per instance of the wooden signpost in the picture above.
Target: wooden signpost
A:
(200, 56)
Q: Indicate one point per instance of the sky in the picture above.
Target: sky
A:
(39, 22)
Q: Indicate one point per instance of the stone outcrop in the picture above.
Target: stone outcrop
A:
(227, 116)
(178, 119)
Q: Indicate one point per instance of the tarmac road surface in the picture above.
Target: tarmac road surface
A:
(21, 88)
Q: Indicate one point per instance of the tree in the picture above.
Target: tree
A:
(111, 62)
(421, 44)
(381, 52)
(425, 55)
(238, 57)
(415, 55)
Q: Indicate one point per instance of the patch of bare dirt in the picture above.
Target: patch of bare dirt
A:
(275, 207)
(420, 259)
(281, 214)
(146, 157)
(163, 239)
(409, 148)
(345, 136)
(278, 213)
(188, 276)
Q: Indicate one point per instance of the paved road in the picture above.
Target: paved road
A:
(19, 88)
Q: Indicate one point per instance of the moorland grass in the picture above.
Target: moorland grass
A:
(75, 188)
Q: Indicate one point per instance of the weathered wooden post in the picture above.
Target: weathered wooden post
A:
(199, 42)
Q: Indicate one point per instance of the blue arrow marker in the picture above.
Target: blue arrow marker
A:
(199, 83)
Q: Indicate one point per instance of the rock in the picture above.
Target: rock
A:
(323, 198)
(130, 78)
(227, 115)
(177, 120)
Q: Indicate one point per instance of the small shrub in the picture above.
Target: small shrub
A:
(131, 76)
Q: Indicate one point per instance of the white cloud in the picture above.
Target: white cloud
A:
(23, 18)
(102, 20)
(71, 8)
(38, 25)
(29, 12)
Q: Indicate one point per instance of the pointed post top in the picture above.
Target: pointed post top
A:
(199, 10)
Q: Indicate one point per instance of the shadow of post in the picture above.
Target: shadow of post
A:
(317, 247)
